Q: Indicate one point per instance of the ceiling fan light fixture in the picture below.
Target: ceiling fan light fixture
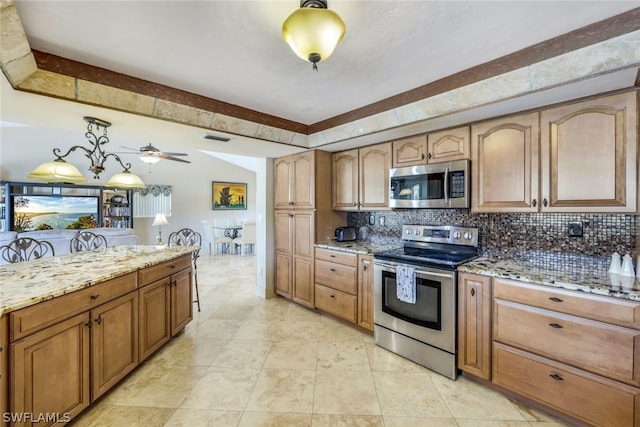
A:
(313, 31)
(149, 159)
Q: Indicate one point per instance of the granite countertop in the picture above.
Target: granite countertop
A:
(585, 280)
(356, 246)
(28, 283)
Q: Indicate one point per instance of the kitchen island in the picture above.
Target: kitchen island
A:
(72, 326)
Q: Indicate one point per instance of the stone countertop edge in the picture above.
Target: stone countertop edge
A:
(611, 285)
(355, 246)
(31, 282)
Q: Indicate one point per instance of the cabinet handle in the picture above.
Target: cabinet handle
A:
(554, 299)
(555, 325)
(544, 202)
(99, 319)
(422, 156)
(95, 296)
(172, 266)
(556, 377)
(88, 324)
(473, 292)
(355, 204)
(534, 203)
(332, 269)
(332, 296)
(364, 267)
(1, 349)
(429, 155)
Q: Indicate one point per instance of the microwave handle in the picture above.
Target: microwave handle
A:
(446, 184)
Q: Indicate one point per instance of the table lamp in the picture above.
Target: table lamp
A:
(160, 220)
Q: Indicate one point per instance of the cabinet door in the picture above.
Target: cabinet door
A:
(4, 364)
(474, 324)
(283, 228)
(504, 155)
(303, 281)
(50, 369)
(282, 168)
(114, 342)
(588, 156)
(410, 151)
(375, 162)
(448, 145)
(154, 301)
(365, 291)
(303, 234)
(283, 274)
(181, 300)
(303, 179)
(345, 180)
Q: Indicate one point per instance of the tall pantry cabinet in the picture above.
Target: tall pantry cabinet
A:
(303, 216)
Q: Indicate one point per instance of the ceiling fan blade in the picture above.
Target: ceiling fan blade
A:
(137, 150)
(168, 157)
(175, 154)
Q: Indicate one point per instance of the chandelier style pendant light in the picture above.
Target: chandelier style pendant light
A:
(61, 171)
(313, 31)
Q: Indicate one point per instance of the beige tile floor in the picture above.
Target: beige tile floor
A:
(245, 361)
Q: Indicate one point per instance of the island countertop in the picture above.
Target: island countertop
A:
(584, 280)
(28, 283)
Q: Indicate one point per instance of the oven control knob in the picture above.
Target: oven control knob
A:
(408, 231)
(457, 235)
(467, 235)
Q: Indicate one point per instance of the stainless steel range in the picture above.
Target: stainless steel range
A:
(415, 302)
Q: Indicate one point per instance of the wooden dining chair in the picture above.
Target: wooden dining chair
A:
(25, 249)
(189, 237)
(87, 241)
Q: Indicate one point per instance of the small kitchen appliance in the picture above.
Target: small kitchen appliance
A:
(423, 331)
(345, 234)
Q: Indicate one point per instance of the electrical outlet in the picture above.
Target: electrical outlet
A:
(381, 221)
(372, 219)
(575, 229)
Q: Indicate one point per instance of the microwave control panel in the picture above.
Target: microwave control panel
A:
(456, 184)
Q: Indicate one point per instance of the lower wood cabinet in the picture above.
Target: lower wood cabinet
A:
(589, 398)
(59, 366)
(474, 324)
(344, 285)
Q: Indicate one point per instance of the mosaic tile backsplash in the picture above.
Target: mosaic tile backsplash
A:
(538, 239)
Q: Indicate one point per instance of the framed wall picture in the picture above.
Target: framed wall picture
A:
(228, 195)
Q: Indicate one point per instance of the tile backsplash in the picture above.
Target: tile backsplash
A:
(539, 239)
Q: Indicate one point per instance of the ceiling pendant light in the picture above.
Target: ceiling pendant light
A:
(61, 171)
(313, 31)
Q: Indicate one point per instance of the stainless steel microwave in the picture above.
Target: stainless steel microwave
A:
(437, 185)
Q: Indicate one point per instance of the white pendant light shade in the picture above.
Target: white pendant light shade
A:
(57, 171)
(313, 32)
(125, 179)
(149, 159)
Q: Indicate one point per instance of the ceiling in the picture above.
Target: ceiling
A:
(233, 51)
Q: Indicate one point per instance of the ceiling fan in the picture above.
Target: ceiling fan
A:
(151, 154)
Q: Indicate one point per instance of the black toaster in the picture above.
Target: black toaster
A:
(345, 234)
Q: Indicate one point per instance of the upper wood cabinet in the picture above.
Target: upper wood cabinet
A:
(448, 145)
(588, 156)
(505, 157)
(361, 178)
(583, 156)
(294, 181)
(410, 151)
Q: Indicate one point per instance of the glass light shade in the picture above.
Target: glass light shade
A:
(149, 159)
(313, 30)
(160, 219)
(57, 171)
(125, 179)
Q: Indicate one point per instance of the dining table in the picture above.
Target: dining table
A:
(230, 230)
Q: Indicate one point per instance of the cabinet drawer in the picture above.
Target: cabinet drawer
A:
(338, 303)
(155, 272)
(337, 276)
(606, 309)
(587, 397)
(597, 347)
(337, 256)
(31, 319)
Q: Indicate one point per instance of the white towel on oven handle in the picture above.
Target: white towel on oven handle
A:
(406, 284)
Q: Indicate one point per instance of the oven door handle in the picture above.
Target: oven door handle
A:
(392, 266)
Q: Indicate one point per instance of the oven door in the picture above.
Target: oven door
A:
(432, 319)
